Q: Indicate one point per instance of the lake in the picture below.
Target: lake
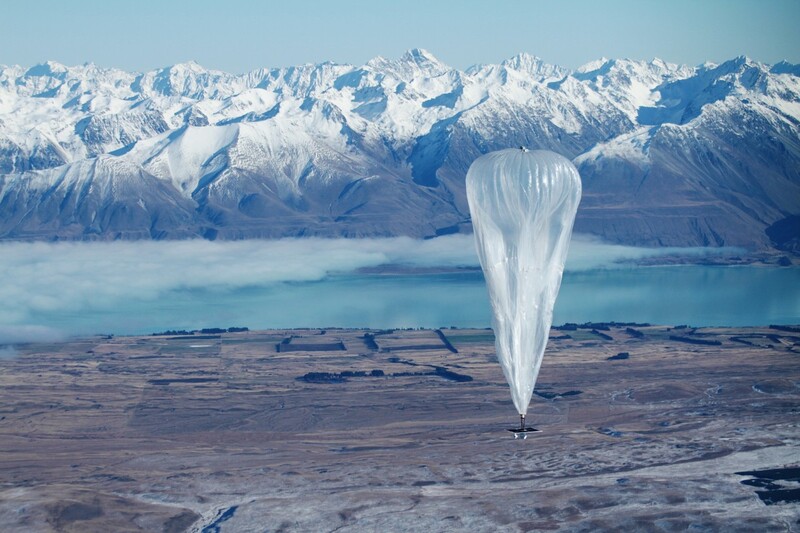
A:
(49, 290)
(694, 295)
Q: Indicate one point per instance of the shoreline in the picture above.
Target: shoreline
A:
(684, 332)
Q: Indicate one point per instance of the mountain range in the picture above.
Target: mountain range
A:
(669, 155)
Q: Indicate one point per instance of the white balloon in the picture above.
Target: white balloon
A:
(523, 206)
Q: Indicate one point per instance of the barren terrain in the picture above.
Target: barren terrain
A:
(355, 430)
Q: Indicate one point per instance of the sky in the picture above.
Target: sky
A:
(241, 35)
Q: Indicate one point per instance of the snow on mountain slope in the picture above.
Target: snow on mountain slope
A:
(102, 197)
(722, 162)
(669, 154)
(630, 85)
(183, 156)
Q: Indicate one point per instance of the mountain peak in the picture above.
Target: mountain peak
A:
(187, 66)
(784, 67)
(410, 64)
(48, 68)
(420, 56)
(524, 61)
(595, 65)
(735, 64)
(530, 64)
(738, 68)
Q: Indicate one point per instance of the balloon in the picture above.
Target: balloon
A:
(523, 206)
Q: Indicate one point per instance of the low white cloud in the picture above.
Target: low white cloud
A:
(588, 253)
(22, 333)
(40, 282)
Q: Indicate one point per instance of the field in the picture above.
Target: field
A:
(353, 430)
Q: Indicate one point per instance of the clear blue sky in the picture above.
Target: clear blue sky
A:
(241, 35)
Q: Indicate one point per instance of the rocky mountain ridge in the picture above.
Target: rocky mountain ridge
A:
(669, 155)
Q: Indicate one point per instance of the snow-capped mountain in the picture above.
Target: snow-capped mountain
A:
(669, 155)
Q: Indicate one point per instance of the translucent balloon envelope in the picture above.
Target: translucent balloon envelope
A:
(523, 206)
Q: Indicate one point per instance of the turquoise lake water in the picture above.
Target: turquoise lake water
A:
(693, 295)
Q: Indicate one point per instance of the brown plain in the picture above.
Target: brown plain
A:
(312, 430)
